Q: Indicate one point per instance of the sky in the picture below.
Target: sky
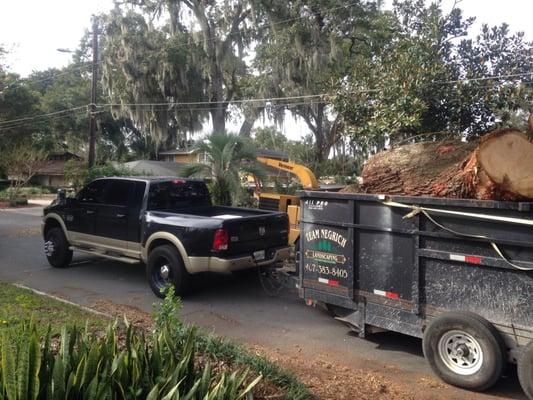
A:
(33, 30)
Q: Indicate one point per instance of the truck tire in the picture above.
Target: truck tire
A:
(57, 248)
(525, 370)
(465, 350)
(164, 268)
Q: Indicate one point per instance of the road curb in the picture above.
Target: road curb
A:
(84, 308)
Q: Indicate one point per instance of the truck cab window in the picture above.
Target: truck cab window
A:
(118, 191)
(176, 194)
(138, 195)
(93, 193)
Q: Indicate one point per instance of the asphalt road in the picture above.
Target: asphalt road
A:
(234, 306)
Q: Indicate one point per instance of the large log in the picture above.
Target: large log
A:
(497, 167)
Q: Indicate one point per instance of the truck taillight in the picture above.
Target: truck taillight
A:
(221, 240)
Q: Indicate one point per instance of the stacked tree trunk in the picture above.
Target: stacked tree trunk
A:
(497, 167)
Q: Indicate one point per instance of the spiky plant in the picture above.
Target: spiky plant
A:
(228, 156)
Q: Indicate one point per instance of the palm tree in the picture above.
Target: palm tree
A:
(228, 155)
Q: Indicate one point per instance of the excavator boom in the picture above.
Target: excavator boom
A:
(304, 174)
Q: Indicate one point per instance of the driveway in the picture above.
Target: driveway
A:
(234, 306)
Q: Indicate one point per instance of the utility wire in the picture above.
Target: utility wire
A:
(177, 103)
(75, 111)
(485, 78)
(39, 116)
(53, 118)
(185, 105)
(25, 81)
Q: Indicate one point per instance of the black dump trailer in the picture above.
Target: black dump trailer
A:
(456, 273)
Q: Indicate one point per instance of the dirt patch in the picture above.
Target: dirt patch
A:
(138, 318)
(328, 381)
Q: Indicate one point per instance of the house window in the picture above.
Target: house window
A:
(203, 158)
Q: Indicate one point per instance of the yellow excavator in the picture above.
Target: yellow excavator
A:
(285, 202)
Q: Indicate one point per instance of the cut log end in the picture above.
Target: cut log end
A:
(506, 162)
(498, 167)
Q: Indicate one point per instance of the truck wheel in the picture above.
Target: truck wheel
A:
(525, 370)
(465, 350)
(57, 248)
(164, 268)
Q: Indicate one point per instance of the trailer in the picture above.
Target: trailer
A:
(456, 273)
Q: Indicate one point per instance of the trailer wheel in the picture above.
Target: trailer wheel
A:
(165, 268)
(525, 370)
(465, 350)
(297, 256)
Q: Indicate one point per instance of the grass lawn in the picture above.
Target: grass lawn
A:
(20, 305)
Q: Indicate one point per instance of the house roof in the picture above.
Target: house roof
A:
(156, 168)
(279, 155)
(177, 152)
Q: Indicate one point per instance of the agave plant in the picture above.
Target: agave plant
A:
(88, 367)
(228, 156)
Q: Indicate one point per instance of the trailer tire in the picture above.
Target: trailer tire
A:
(297, 256)
(164, 268)
(525, 370)
(465, 350)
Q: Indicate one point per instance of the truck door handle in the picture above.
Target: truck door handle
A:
(89, 212)
(121, 215)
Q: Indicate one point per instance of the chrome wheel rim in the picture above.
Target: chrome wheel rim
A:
(164, 272)
(49, 248)
(161, 273)
(460, 352)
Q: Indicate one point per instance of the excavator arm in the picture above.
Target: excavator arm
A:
(304, 174)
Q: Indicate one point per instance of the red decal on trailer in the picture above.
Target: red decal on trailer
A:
(473, 259)
(468, 259)
(389, 295)
(329, 282)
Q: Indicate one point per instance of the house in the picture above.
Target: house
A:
(186, 156)
(155, 168)
(195, 156)
(52, 171)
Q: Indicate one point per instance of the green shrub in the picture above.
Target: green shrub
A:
(167, 318)
(113, 367)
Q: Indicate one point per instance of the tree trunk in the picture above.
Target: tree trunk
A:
(497, 167)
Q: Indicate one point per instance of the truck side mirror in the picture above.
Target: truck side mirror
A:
(61, 196)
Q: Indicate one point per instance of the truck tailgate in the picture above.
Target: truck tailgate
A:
(250, 234)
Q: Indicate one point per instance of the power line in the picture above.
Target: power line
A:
(75, 111)
(52, 118)
(39, 116)
(186, 105)
(177, 103)
(24, 81)
(486, 78)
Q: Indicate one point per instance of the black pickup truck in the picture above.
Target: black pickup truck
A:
(167, 223)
